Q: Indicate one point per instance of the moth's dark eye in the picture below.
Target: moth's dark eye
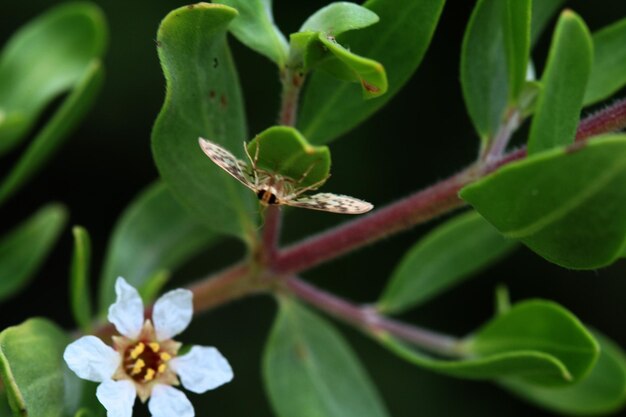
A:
(272, 199)
(260, 194)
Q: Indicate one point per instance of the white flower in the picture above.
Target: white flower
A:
(143, 361)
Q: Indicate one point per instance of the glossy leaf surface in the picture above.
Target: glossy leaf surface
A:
(446, 256)
(564, 82)
(565, 205)
(398, 41)
(24, 249)
(310, 371)
(203, 99)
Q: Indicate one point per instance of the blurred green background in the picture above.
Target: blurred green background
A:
(421, 136)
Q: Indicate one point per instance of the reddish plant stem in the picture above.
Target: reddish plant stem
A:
(609, 119)
(271, 233)
(422, 206)
(292, 84)
(224, 286)
(242, 279)
(369, 320)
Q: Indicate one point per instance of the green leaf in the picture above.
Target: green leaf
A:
(566, 205)
(494, 61)
(31, 368)
(541, 326)
(80, 296)
(330, 108)
(535, 341)
(23, 249)
(5, 410)
(608, 73)
(514, 363)
(45, 58)
(154, 234)
(284, 150)
(311, 50)
(351, 67)
(542, 12)
(603, 391)
(51, 136)
(310, 371)
(484, 67)
(564, 81)
(339, 17)
(445, 257)
(516, 28)
(203, 99)
(255, 28)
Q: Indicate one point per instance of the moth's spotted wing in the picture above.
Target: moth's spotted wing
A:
(227, 161)
(334, 203)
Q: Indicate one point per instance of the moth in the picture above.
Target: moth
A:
(274, 189)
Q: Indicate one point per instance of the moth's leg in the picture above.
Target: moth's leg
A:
(311, 187)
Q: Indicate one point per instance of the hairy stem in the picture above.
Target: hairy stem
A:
(424, 205)
(292, 84)
(609, 119)
(370, 321)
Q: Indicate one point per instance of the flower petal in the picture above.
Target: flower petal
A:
(172, 313)
(169, 402)
(117, 397)
(127, 311)
(91, 359)
(202, 369)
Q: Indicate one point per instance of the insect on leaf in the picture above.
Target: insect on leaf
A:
(273, 188)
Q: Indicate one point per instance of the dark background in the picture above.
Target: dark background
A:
(422, 135)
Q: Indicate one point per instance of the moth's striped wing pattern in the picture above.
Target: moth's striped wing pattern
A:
(334, 203)
(227, 161)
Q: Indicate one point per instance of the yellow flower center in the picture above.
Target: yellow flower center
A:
(145, 361)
